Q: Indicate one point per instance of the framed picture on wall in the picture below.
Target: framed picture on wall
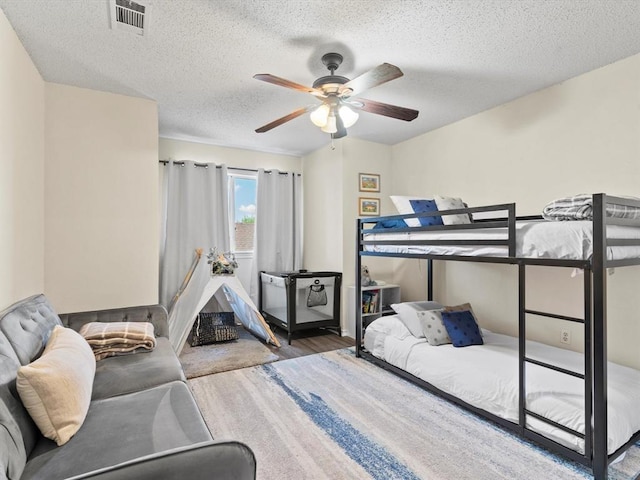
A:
(369, 206)
(369, 182)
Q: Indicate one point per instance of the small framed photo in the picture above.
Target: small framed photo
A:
(369, 206)
(369, 182)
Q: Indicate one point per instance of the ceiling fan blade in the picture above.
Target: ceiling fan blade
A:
(286, 118)
(393, 111)
(267, 77)
(377, 76)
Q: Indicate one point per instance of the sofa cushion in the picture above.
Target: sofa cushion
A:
(27, 325)
(13, 417)
(122, 428)
(56, 388)
(132, 373)
(12, 454)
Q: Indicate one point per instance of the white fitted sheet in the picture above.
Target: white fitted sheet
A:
(534, 239)
(486, 376)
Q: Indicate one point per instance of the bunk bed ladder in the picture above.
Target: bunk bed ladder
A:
(524, 359)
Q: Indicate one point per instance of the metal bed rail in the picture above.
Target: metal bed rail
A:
(506, 226)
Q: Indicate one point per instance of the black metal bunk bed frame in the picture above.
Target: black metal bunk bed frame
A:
(595, 318)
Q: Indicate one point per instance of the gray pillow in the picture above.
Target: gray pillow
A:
(407, 313)
(451, 203)
(433, 327)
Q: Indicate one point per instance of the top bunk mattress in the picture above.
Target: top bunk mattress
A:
(534, 239)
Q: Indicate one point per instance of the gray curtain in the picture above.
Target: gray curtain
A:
(195, 215)
(278, 240)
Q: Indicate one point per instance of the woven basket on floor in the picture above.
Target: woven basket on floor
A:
(211, 327)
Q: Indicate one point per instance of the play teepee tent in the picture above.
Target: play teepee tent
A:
(198, 287)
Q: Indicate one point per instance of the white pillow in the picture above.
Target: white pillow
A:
(390, 325)
(56, 388)
(403, 205)
(407, 312)
(451, 203)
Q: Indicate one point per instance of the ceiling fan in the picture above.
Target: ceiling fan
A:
(336, 112)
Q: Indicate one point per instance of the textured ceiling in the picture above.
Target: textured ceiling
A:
(197, 60)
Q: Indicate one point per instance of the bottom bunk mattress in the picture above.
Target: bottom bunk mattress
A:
(486, 377)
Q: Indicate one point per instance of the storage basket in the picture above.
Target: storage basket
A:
(211, 327)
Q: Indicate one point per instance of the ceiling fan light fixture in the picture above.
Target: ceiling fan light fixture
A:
(331, 126)
(320, 115)
(348, 116)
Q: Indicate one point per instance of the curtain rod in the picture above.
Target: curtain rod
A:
(206, 165)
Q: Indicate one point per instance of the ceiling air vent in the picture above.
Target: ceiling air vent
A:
(128, 16)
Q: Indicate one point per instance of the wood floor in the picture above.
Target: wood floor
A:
(308, 342)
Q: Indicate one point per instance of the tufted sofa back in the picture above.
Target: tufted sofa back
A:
(155, 314)
(24, 330)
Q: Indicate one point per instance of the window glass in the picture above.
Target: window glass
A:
(242, 203)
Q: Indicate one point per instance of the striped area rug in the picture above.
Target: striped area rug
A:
(334, 416)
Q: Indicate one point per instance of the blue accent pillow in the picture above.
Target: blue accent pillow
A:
(462, 328)
(399, 223)
(424, 206)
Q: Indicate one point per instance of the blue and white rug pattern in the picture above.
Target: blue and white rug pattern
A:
(335, 416)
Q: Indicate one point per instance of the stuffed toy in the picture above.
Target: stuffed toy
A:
(366, 277)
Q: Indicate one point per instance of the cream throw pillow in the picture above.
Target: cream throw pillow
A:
(56, 388)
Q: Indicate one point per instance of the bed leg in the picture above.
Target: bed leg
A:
(599, 470)
(358, 288)
(522, 345)
(599, 341)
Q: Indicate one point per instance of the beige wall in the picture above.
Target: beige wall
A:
(22, 232)
(101, 199)
(360, 156)
(323, 211)
(323, 214)
(579, 136)
(331, 208)
(364, 157)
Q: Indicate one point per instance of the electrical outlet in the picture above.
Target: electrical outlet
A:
(565, 337)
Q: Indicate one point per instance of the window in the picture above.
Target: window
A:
(242, 211)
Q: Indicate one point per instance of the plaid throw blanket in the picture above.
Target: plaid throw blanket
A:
(580, 207)
(108, 339)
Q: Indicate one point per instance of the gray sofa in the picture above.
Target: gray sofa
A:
(142, 423)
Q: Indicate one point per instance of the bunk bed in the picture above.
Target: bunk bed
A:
(610, 237)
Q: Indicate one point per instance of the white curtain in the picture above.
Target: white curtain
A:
(195, 215)
(278, 239)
